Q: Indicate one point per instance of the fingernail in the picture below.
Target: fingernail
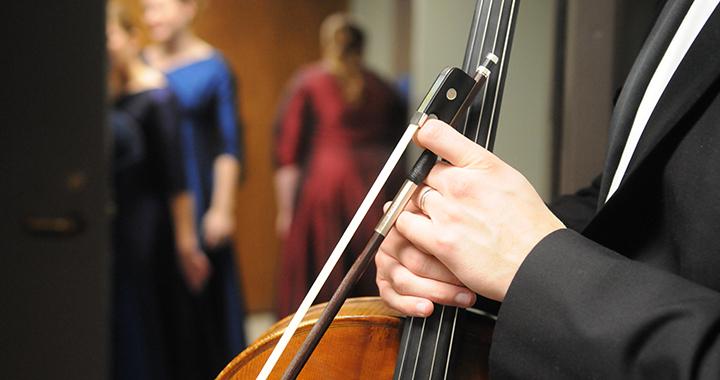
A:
(463, 299)
(422, 308)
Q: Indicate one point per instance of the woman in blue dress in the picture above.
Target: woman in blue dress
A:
(154, 214)
(211, 328)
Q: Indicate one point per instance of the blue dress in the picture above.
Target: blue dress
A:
(146, 173)
(211, 326)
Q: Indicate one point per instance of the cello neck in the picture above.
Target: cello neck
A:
(426, 348)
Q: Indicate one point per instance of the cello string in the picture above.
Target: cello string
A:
(502, 64)
(405, 348)
(480, 55)
(475, 26)
(339, 249)
(417, 355)
(452, 338)
(482, 109)
(437, 338)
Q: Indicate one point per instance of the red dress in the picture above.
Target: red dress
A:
(340, 149)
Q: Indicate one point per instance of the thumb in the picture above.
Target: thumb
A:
(446, 142)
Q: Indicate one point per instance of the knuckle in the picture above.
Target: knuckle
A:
(382, 286)
(378, 259)
(452, 215)
(416, 263)
(401, 283)
(460, 187)
(446, 241)
(386, 294)
(482, 159)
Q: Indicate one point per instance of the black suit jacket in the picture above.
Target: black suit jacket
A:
(637, 294)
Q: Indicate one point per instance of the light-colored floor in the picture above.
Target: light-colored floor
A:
(257, 323)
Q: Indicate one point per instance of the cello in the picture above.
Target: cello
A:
(362, 338)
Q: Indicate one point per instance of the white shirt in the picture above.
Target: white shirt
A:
(694, 20)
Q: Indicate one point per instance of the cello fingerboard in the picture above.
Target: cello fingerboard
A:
(426, 348)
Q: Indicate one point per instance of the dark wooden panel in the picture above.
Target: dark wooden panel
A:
(54, 277)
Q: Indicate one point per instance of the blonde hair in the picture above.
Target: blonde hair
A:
(199, 4)
(115, 12)
(341, 30)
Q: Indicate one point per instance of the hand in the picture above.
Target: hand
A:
(195, 267)
(218, 227)
(472, 224)
(410, 280)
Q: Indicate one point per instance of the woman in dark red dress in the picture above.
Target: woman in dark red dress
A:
(336, 128)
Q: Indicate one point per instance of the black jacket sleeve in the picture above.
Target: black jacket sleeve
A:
(576, 310)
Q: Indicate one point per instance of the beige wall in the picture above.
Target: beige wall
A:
(524, 138)
(377, 18)
(525, 131)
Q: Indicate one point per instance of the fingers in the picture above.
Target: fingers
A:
(217, 236)
(409, 293)
(197, 270)
(203, 273)
(428, 234)
(449, 180)
(419, 263)
(451, 145)
(408, 305)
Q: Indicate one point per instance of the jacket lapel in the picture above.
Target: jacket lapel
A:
(635, 85)
(697, 72)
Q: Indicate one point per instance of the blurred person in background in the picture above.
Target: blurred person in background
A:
(210, 322)
(336, 127)
(154, 216)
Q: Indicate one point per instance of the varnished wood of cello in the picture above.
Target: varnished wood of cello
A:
(361, 343)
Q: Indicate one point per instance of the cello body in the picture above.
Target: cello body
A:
(361, 343)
